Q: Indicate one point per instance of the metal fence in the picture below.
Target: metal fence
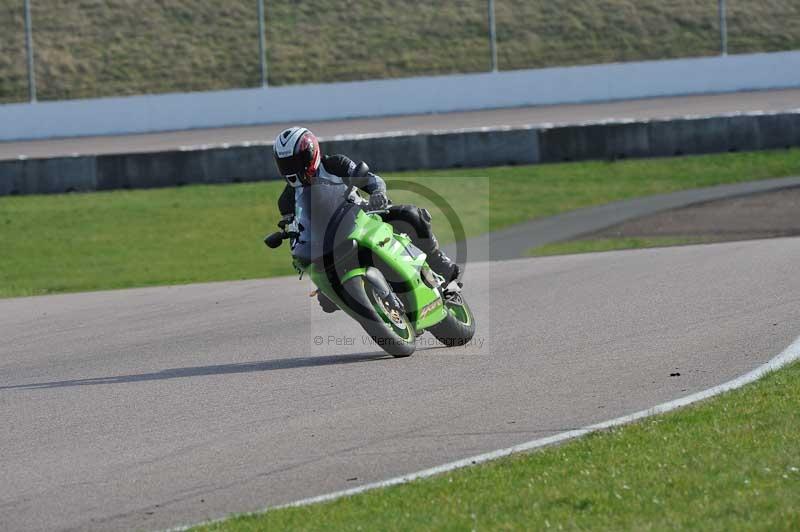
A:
(61, 49)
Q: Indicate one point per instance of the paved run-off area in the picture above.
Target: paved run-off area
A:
(645, 109)
(155, 407)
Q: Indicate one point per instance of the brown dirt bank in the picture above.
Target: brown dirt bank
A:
(767, 215)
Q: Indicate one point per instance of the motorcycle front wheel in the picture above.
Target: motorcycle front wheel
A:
(390, 329)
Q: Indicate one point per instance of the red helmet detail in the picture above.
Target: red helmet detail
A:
(310, 144)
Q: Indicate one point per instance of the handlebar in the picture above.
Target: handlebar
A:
(274, 240)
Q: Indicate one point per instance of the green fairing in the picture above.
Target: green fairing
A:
(372, 233)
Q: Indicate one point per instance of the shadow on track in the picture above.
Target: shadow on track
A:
(200, 371)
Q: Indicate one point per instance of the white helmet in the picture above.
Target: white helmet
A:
(297, 155)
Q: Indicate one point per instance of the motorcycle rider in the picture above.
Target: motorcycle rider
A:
(300, 161)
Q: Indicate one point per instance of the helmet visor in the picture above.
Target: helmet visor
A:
(292, 165)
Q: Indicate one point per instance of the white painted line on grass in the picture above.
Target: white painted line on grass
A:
(790, 354)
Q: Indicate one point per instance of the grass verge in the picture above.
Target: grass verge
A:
(79, 242)
(613, 244)
(730, 463)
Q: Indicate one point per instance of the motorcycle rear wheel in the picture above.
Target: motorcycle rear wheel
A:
(458, 328)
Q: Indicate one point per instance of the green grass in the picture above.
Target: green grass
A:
(730, 463)
(613, 244)
(527, 192)
(115, 47)
(79, 242)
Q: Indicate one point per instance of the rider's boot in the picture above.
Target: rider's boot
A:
(441, 263)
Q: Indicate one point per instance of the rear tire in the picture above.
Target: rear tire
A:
(458, 328)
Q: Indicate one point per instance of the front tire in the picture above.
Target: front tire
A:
(390, 330)
(458, 328)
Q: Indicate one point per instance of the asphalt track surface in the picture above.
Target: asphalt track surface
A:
(766, 101)
(151, 408)
(155, 407)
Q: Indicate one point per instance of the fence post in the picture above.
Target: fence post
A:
(262, 44)
(29, 49)
(492, 36)
(723, 27)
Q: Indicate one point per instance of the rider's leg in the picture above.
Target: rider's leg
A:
(416, 223)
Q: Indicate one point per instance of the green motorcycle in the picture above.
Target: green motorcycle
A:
(377, 276)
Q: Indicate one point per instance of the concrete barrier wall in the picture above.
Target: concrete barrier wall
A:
(458, 149)
(48, 176)
(592, 83)
(664, 138)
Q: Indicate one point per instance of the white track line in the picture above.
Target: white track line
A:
(790, 354)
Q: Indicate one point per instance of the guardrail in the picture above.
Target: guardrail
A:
(413, 151)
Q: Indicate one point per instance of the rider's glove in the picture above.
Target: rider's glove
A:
(286, 220)
(378, 201)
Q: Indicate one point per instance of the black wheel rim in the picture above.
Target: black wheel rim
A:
(396, 320)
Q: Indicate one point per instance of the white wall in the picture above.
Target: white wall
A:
(141, 114)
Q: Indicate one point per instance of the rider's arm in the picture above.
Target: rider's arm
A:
(370, 183)
(286, 201)
(348, 170)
